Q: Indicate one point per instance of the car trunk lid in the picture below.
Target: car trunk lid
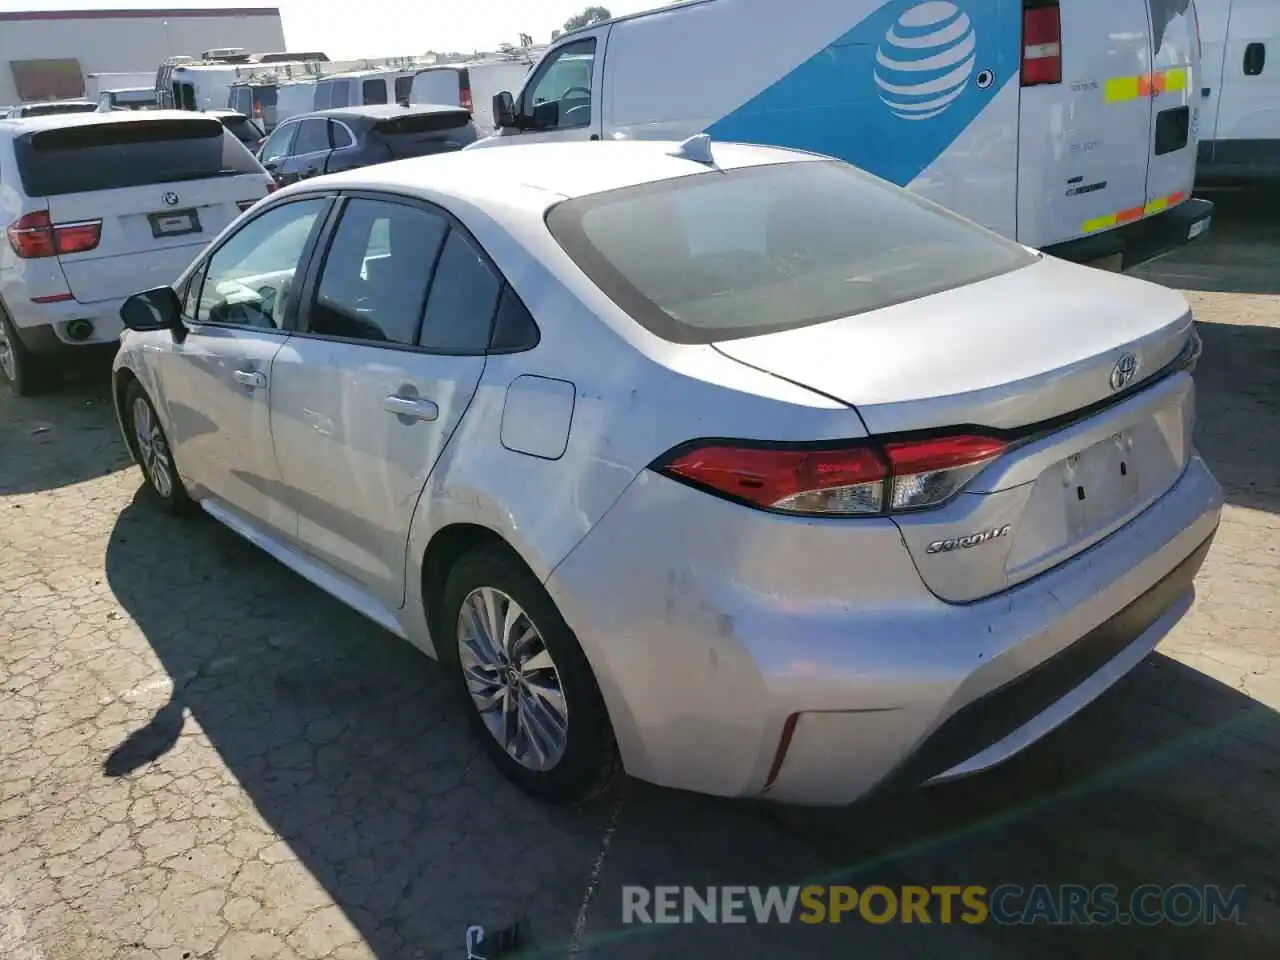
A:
(1048, 358)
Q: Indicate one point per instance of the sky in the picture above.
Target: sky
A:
(372, 28)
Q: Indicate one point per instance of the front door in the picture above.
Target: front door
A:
(384, 364)
(217, 380)
(562, 99)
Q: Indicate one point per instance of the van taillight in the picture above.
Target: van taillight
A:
(1041, 42)
(34, 236)
(464, 99)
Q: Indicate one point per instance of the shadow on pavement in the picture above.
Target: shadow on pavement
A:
(62, 438)
(1238, 410)
(345, 740)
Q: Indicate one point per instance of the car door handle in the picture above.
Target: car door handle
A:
(250, 378)
(419, 408)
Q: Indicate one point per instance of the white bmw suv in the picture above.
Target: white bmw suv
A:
(97, 206)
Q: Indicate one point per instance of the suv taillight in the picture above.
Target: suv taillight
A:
(1041, 42)
(860, 478)
(34, 236)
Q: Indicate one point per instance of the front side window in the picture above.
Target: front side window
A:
(277, 146)
(720, 255)
(374, 283)
(249, 279)
(559, 97)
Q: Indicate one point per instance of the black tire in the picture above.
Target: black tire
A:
(169, 492)
(589, 763)
(24, 373)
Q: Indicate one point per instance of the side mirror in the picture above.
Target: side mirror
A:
(504, 110)
(155, 309)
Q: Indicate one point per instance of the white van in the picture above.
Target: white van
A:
(467, 84)
(1240, 113)
(1063, 125)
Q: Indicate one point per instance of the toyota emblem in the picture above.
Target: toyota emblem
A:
(171, 198)
(1123, 372)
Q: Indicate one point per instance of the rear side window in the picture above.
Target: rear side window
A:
(464, 296)
(374, 91)
(720, 255)
(108, 156)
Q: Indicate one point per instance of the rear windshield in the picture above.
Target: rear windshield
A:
(420, 123)
(242, 128)
(48, 109)
(108, 156)
(721, 255)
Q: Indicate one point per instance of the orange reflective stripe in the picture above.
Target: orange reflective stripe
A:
(1133, 214)
(1121, 89)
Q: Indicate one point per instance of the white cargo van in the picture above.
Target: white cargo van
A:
(1066, 125)
(468, 84)
(1240, 114)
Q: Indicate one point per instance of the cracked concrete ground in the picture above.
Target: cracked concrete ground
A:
(203, 756)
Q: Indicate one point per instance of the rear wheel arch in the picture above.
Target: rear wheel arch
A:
(447, 546)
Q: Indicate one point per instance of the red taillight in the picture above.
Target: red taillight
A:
(1041, 43)
(272, 187)
(34, 236)
(464, 100)
(860, 478)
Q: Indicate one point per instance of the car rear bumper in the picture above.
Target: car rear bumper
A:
(745, 654)
(49, 327)
(1128, 246)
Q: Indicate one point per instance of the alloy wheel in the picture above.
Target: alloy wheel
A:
(512, 679)
(152, 448)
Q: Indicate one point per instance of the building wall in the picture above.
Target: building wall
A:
(110, 41)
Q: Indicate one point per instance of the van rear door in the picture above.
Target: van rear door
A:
(156, 190)
(442, 85)
(1085, 124)
(1175, 103)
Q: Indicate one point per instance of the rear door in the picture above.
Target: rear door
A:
(1085, 129)
(367, 393)
(159, 189)
(1175, 103)
(1248, 130)
(440, 85)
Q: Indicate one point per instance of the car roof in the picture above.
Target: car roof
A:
(380, 111)
(56, 120)
(537, 175)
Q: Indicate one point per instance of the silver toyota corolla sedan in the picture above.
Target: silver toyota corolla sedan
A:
(731, 467)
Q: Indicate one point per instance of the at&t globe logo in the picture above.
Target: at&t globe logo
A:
(926, 60)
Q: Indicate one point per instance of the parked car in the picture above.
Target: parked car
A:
(490, 400)
(51, 108)
(245, 129)
(1239, 119)
(96, 204)
(327, 141)
(963, 101)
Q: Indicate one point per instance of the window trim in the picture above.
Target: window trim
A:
(201, 267)
(301, 308)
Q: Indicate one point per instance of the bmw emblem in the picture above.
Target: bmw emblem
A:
(1124, 371)
(171, 198)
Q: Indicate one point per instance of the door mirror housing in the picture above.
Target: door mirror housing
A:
(156, 309)
(504, 110)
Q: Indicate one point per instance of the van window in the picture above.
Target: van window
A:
(109, 156)
(404, 86)
(374, 91)
(559, 97)
(184, 96)
(720, 255)
(242, 101)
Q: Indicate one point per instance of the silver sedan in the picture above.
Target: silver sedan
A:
(730, 467)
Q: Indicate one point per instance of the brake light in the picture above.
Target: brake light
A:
(464, 99)
(1041, 42)
(855, 479)
(272, 187)
(34, 236)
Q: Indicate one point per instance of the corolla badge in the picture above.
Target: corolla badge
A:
(1124, 371)
(972, 540)
(171, 198)
(926, 60)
